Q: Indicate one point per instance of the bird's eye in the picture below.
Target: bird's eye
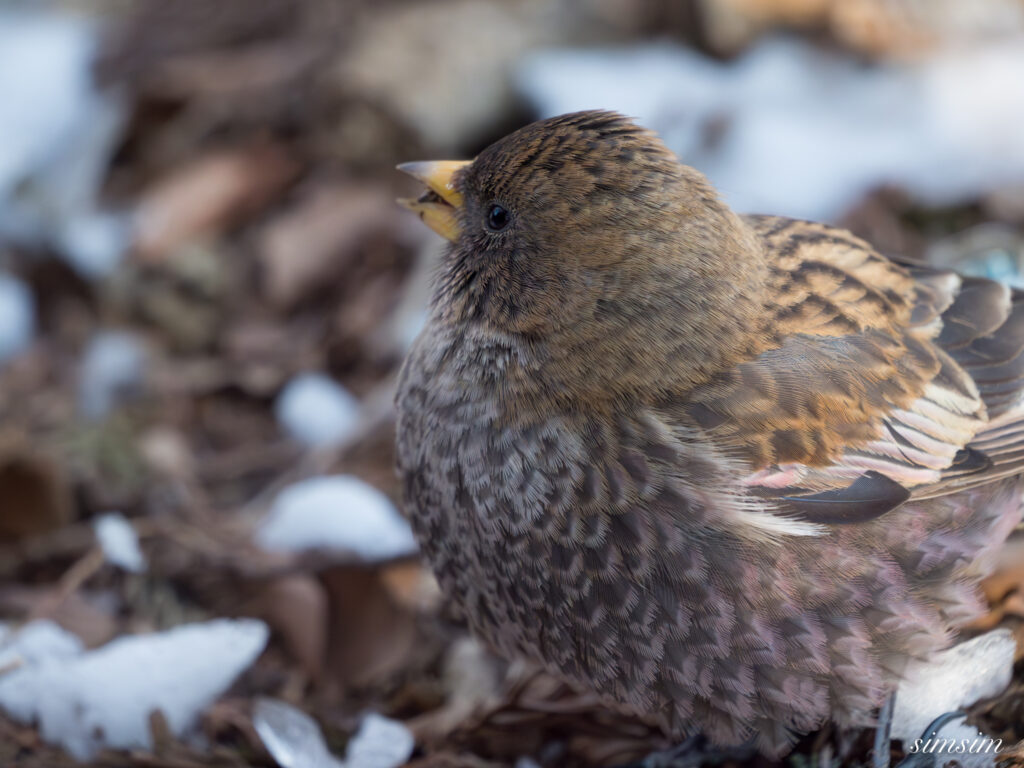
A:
(498, 217)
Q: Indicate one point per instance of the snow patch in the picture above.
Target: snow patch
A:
(119, 543)
(57, 132)
(294, 739)
(85, 701)
(317, 411)
(17, 317)
(113, 367)
(952, 680)
(339, 514)
(36, 642)
(379, 743)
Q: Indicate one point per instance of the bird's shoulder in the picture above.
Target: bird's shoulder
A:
(824, 281)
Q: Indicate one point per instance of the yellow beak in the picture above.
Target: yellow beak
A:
(439, 205)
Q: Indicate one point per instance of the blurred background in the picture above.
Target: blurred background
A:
(206, 290)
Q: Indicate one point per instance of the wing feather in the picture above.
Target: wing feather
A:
(881, 369)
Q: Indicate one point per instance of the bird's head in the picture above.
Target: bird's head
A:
(578, 224)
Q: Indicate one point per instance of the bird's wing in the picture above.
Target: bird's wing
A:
(882, 381)
(983, 331)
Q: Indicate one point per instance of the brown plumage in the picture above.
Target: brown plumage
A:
(728, 472)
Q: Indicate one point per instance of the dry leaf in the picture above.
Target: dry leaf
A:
(1008, 573)
(209, 195)
(35, 494)
(314, 242)
(296, 608)
(370, 636)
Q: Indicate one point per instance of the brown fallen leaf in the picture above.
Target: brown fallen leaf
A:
(731, 25)
(412, 586)
(880, 28)
(209, 195)
(371, 636)
(313, 242)
(35, 493)
(1008, 573)
(1004, 590)
(884, 27)
(296, 608)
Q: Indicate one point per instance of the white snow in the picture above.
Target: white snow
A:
(95, 242)
(339, 514)
(85, 701)
(36, 642)
(317, 411)
(57, 132)
(379, 743)
(119, 543)
(113, 366)
(17, 317)
(795, 130)
(952, 680)
(294, 739)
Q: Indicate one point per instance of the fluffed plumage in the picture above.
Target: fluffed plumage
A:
(729, 472)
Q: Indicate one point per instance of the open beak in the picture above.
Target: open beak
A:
(440, 204)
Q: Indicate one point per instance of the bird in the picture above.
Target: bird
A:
(729, 473)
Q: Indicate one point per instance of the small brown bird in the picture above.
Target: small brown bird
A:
(729, 472)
